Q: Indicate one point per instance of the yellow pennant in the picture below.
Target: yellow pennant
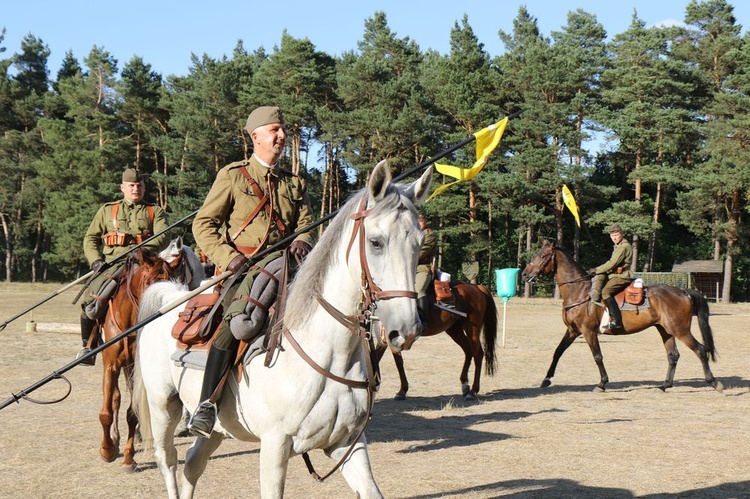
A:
(570, 202)
(487, 140)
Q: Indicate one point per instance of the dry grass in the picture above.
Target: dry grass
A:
(517, 441)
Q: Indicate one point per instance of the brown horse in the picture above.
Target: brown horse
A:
(176, 262)
(671, 311)
(477, 303)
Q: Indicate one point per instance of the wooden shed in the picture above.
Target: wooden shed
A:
(706, 276)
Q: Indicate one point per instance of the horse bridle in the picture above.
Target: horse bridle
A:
(359, 325)
(546, 262)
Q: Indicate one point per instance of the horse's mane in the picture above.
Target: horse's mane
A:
(309, 280)
(577, 266)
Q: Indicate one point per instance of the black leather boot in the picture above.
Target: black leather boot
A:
(202, 422)
(615, 316)
(423, 309)
(88, 327)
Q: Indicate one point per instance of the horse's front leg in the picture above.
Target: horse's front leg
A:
(274, 461)
(357, 470)
(196, 461)
(567, 340)
(461, 338)
(108, 449)
(592, 338)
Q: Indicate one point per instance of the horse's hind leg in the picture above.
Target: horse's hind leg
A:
(457, 334)
(673, 355)
(688, 339)
(128, 454)
(592, 338)
(399, 360)
(567, 340)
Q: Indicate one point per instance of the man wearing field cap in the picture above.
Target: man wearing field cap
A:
(613, 276)
(115, 229)
(252, 204)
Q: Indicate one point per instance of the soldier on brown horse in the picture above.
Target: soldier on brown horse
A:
(668, 308)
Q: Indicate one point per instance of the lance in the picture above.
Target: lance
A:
(15, 397)
(226, 275)
(128, 252)
(45, 300)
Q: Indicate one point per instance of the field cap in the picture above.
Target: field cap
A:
(615, 228)
(131, 175)
(264, 115)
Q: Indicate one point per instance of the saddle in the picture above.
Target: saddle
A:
(635, 294)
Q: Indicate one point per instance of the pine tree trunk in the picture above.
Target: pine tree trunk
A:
(8, 249)
(650, 256)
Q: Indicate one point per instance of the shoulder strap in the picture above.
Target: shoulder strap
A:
(115, 207)
(261, 204)
(150, 209)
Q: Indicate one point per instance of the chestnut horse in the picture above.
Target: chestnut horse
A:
(671, 312)
(176, 262)
(477, 303)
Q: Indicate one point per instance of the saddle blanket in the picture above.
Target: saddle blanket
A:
(196, 359)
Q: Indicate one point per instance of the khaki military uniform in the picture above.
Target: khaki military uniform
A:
(614, 275)
(232, 200)
(222, 230)
(132, 220)
(424, 265)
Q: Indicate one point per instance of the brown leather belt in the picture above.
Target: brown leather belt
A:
(246, 250)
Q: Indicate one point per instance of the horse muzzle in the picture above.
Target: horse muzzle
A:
(399, 342)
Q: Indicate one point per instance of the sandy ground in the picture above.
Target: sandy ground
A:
(518, 440)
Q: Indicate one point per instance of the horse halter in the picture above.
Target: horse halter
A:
(371, 292)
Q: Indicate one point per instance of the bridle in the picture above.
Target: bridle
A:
(586, 277)
(363, 324)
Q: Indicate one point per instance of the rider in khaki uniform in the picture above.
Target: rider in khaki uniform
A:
(424, 268)
(251, 205)
(115, 229)
(613, 276)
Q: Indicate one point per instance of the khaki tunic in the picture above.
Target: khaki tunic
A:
(132, 219)
(609, 282)
(231, 200)
(424, 267)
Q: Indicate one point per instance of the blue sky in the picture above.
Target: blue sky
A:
(165, 33)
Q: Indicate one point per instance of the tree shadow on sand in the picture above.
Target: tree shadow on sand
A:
(569, 489)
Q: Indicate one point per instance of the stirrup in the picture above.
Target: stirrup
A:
(202, 421)
(89, 361)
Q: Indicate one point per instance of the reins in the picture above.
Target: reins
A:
(585, 277)
(359, 325)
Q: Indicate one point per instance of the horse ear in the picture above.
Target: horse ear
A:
(418, 190)
(178, 243)
(379, 180)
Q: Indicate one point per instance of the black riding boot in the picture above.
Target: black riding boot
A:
(202, 422)
(423, 309)
(88, 327)
(615, 317)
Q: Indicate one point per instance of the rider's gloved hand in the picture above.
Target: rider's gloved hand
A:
(299, 249)
(97, 264)
(236, 264)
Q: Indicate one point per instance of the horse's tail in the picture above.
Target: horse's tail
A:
(700, 309)
(490, 330)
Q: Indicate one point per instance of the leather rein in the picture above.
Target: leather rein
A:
(360, 325)
(586, 277)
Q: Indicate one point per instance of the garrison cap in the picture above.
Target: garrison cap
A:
(131, 175)
(615, 228)
(264, 115)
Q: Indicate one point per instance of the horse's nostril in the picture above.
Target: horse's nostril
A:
(392, 336)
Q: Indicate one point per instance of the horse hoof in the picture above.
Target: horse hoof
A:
(400, 396)
(465, 390)
(546, 383)
(717, 386)
(129, 468)
(470, 396)
(107, 456)
(599, 389)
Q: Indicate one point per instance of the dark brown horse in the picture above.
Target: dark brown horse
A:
(477, 303)
(671, 312)
(176, 262)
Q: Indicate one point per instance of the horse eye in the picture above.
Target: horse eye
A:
(376, 243)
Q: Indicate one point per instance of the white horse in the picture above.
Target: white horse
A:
(299, 404)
